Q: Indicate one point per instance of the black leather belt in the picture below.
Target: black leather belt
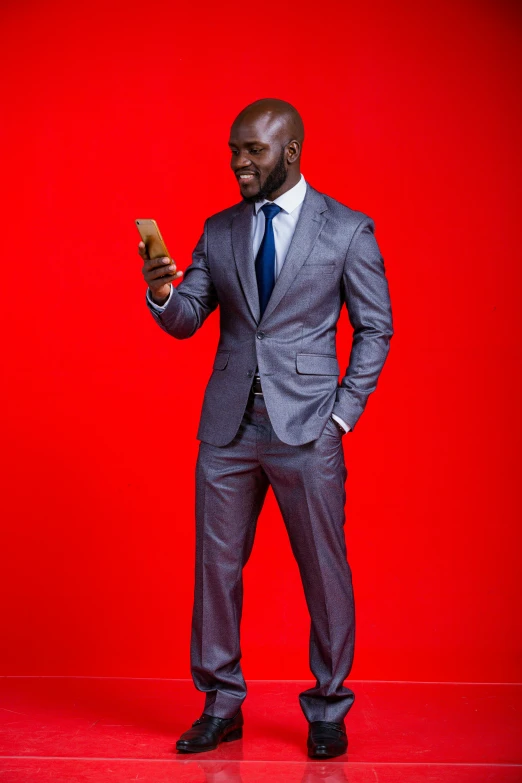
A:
(256, 385)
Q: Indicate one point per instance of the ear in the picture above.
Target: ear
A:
(293, 151)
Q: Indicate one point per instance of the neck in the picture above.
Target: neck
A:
(290, 182)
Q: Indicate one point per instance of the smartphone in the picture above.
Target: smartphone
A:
(151, 236)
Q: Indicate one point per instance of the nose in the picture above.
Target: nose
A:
(241, 161)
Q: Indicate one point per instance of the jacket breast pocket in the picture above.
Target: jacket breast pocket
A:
(318, 267)
(221, 360)
(317, 364)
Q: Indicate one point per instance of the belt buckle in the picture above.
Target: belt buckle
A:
(257, 384)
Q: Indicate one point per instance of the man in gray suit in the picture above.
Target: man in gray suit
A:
(280, 265)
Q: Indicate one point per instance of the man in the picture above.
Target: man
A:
(280, 265)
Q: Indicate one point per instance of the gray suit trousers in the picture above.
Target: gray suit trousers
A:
(309, 485)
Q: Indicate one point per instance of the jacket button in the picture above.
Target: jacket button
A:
(260, 335)
(250, 373)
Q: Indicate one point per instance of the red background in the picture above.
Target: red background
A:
(113, 111)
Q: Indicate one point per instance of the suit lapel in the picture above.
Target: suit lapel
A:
(311, 220)
(244, 256)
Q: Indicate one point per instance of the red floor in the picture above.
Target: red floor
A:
(74, 730)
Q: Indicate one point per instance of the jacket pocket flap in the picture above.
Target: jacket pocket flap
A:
(317, 364)
(221, 360)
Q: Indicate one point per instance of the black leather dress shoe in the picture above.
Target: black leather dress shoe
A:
(326, 739)
(208, 731)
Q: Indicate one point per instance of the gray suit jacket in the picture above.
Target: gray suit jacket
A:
(333, 260)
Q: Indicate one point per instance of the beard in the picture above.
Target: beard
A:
(275, 180)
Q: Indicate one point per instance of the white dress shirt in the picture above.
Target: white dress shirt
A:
(284, 224)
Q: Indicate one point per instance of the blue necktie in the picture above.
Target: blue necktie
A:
(265, 259)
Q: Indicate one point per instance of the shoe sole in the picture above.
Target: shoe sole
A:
(230, 737)
(324, 755)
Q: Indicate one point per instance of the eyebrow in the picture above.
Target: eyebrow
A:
(247, 143)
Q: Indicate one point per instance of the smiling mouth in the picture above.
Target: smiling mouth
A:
(246, 178)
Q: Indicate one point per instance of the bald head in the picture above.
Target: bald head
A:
(276, 113)
(265, 141)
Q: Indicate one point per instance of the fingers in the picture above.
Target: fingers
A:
(155, 263)
(160, 276)
(142, 250)
(156, 267)
(158, 272)
(153, 282)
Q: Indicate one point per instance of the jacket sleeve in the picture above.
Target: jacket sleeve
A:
(192, 300)
(366, 294)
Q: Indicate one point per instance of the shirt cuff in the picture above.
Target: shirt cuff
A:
(343, 424)
(157, 307)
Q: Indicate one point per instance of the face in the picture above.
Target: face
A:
(260, 153)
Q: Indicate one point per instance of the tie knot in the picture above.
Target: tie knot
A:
(270, 210)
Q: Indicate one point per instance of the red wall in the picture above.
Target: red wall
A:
(113, 111)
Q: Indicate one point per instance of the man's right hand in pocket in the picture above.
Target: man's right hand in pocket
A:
(158, 274)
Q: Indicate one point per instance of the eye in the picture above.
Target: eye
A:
(256, 151)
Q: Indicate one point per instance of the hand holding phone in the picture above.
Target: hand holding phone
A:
(158, 269)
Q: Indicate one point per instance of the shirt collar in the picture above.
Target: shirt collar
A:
(289, 200)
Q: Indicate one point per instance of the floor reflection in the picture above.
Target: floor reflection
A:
(312, 771)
